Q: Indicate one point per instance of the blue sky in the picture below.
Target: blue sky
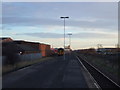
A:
(91, 23)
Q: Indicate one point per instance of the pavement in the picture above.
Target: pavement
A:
(53, 73)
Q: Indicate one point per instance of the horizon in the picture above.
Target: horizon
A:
(52, 46)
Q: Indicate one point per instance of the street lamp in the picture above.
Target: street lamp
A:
(70, 39)
(64, 33)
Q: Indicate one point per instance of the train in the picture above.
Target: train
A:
(57, 51)
(60, 52)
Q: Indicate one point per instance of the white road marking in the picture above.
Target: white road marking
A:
(103, 74)
(96, 84)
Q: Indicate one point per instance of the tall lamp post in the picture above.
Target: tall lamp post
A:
(70, 39)
(64, 33)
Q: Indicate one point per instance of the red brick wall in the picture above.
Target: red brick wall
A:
(45, 49)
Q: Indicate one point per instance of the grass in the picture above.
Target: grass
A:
(22, 64)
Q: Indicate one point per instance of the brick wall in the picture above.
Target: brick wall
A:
(45, 49)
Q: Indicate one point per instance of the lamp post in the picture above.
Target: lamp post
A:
(64, 33)
(70, 39)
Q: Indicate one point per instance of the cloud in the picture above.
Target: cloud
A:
(60, 1)
(43, 35)
(74, 9)
(75, 35)
(85, 15)
(95, 35)
(23, 21)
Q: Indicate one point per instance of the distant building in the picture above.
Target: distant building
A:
(67, 47)
(108, 50)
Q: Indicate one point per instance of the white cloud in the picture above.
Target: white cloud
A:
(91, 35)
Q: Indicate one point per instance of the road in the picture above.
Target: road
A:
(52, 73)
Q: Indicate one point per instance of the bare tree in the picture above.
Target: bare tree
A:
(99, 46)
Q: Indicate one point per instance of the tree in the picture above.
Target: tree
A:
(99, 46)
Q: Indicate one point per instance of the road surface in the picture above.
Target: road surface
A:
(52, 73)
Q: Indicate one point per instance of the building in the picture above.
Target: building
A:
(34, 47)
(10, 48)
(28, 47)
(108, 50)
(45, 49)
(25, 50)
(6, 39)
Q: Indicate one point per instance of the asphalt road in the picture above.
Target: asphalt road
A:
(53, 73)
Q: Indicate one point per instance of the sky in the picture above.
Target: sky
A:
(60, 0)
(90, 23)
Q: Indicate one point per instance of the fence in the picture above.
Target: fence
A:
(24, 57)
